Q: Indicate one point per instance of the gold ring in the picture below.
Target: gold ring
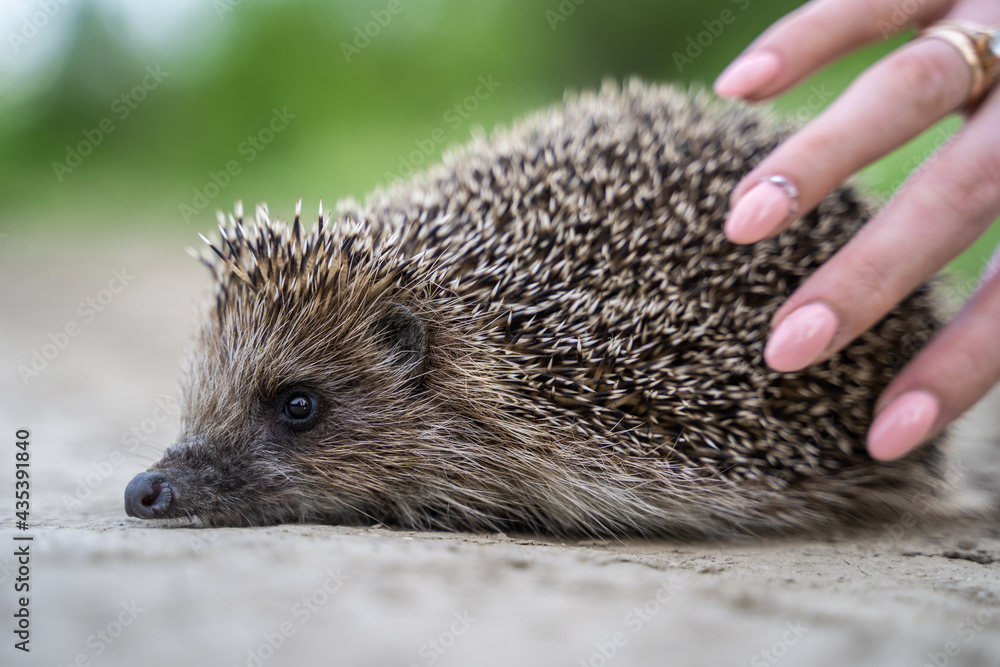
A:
(979, 46)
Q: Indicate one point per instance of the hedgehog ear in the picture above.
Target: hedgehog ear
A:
(404, 335)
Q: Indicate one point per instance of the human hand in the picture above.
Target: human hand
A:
(941, 210)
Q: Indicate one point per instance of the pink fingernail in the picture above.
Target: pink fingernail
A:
(801, 338)
(903, 425)
(758, 213)
(747, 75)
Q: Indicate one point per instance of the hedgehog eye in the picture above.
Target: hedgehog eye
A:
(298, 409)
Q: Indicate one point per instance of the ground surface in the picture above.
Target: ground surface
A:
(108, 590)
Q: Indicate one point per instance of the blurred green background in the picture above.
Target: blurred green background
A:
(129, 117)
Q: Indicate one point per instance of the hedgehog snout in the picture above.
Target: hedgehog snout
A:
(149, 495)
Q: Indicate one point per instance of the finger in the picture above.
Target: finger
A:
(973, 10)
(814, 35)
(944, 380)
(888, 105)
(940, 212)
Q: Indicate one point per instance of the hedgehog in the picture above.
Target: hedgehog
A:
(547, 333)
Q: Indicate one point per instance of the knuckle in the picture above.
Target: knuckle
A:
(816, 143)
(806, 20)
(874, 285)
(815, 160)
(954, 373)
(962, 368)
(969, 187)
(927, 81)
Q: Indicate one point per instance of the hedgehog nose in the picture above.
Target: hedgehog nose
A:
(149, 495)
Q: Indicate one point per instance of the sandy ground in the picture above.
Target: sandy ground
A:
(108, 590)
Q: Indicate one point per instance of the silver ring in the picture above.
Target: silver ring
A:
(790, 191)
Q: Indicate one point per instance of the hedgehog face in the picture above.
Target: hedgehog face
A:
(322, 387)
(282, 421)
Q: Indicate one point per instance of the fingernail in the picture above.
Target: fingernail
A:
(747, 75)
(758, 213)
(903, 425)
(801, 338)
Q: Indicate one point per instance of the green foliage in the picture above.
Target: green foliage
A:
(357, 108)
